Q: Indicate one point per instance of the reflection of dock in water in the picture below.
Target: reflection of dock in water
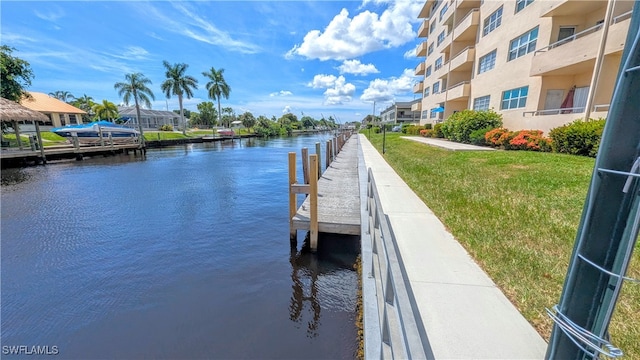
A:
(323, 280)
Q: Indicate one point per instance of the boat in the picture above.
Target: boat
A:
(225, 132)
(90, 133)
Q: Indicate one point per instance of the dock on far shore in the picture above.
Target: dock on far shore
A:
(338, 200)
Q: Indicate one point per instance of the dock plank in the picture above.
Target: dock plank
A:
(338, 195)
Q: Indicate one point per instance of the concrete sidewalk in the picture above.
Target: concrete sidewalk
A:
(446, 144)
(465, 315)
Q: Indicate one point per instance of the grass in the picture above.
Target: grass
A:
(517, 214)
(48, 139)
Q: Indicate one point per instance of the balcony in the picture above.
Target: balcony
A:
(463, 61)
(420, 69)
(444, 44)
(426, 9)
(569, 7)
(466, 28)
(459, 91)
(421, 50)
(446, 11)
(423, 30)
(417, 106)
(577, 53)
(417, 88)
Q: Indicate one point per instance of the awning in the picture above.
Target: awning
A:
(438, 109)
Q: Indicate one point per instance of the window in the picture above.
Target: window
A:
(430, 49)
(566, 32)
(436, 87)
(523, 44)
(515, 98)
(438, 63)
(443, 10)
(521, 4)
(426, 92)
(425, 114)
(432, 27)
(487, 62)
(481, 103)
(433, 114)
(492, 21)
(73, 119)
(441, 37)
(428, 71)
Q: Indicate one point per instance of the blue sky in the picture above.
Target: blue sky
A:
(312, 57)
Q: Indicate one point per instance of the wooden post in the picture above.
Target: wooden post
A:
(292, 196)
(16, 130)
(319, 159)
(101, 137)
(328, 154)
(39, 136)
(313, 203)
(305, 165)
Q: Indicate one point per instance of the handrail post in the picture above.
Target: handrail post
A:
(305, 165)
(313, 203)
(292, 197)
(319, 159)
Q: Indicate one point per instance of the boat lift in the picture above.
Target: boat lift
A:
(609, 226)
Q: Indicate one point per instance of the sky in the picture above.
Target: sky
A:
(317, 58)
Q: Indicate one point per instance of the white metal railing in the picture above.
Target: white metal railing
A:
(571, 110)
(398, 332)
(582, 33)
(622, 17)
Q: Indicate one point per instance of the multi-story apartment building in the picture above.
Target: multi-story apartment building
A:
(533, 61)
(400, 113)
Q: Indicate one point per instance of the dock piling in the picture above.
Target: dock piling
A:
(319, 159)
(305, 165)
(313, 203)
(292, 197)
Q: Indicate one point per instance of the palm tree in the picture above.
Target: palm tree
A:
(136, 87)
(178, 83)
(62, 96)
(86, 104)
(217, 87)
(106, 110)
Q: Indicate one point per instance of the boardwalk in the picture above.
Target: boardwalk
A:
(338, 195)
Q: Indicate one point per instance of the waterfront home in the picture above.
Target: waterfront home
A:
(58, 112)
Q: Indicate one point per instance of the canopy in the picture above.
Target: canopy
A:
(438, 109)
(12, 111)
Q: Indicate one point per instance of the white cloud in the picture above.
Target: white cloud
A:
(281, 93)
(357, 68)
(346, 37)
(192, 25)
(338, 90)
(381, 90)
(411, 53)
(287, 109)
(51, 16)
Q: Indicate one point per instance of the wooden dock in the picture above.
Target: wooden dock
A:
(338, 200)
(16, 156)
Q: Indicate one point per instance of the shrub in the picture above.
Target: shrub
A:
(426, 132)
(529, 140)
(376, 130)
(459, 126)
(477, 136)
(412, 129)
(437, 131)
(166, 127)
(578, 138)
(494, 137)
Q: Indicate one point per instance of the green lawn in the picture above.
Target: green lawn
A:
(517, 214)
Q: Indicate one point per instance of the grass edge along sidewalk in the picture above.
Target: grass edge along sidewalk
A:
(517, 214)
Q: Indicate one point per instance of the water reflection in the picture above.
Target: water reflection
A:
(336, 253)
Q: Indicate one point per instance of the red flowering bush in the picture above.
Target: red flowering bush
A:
(425, 132)
(494, 137)
(529, 140)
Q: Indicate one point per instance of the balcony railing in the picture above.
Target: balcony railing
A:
(420, 69)
(572, 110)
(622, 17)
(582, 33)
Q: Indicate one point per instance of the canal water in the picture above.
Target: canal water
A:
(184, 254)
